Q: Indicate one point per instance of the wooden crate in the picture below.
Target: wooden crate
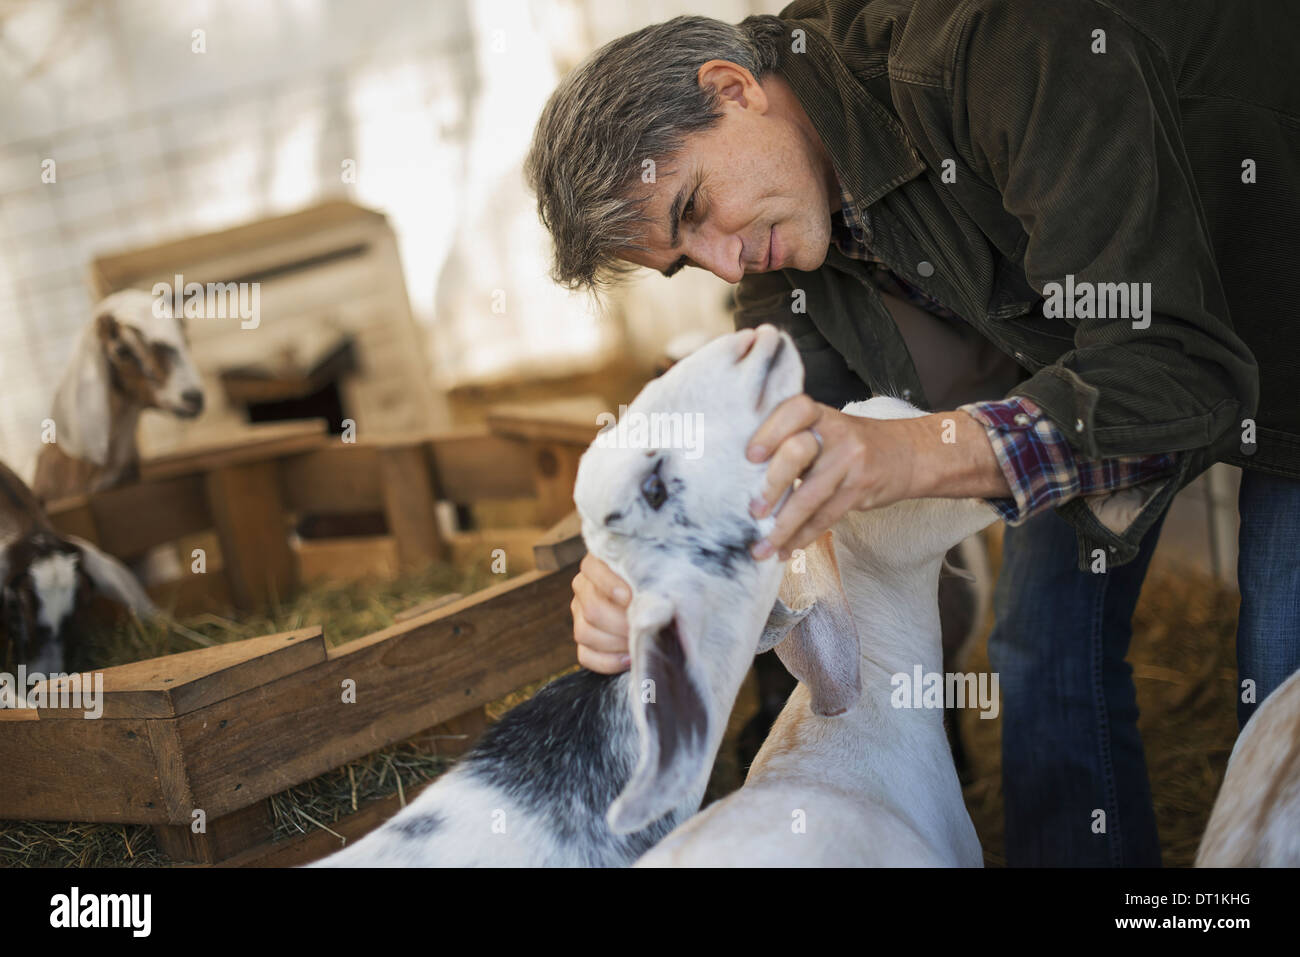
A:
(330, 272)
(220, 730)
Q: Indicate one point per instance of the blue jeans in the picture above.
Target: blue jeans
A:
(1073, 771)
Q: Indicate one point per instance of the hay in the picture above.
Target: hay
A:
(322, 801)
(345, 611)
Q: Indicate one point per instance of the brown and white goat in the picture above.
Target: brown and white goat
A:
(132, 357)
(44, 578)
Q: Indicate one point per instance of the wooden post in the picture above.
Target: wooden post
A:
(409, 505)
(222, 838)
(557, 433)
(555, 469)
(249, 517)
(561, 546)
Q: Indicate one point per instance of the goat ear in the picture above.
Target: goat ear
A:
(13, 629)
(107, 326)
(822, 650)
(113, 578)
(671, 713)
(780, 622)
(90, 401)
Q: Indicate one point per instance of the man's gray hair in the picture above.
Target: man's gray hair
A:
(636, 98)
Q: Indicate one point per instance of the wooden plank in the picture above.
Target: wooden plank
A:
(406, 678)
(253, 529)
(336, 479)
(177, 684)
(130, 268)
(479, 548)
(310, 847)
(453, 738)
(80, 771)
(409, 506)
(351, 559)
(562, 545)
(573, 420)
(173, 777)
(74, 516)
(424, 607)
(476, 465)
(221, 838)
(129, 520)
(255, 443)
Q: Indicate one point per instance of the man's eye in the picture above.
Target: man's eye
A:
(653, 490)
(689, 209)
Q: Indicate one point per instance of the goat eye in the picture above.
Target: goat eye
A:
(653, 490)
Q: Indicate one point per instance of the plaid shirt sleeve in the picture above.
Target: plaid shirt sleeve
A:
(1040, 466)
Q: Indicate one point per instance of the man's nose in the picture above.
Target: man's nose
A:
(719, 254)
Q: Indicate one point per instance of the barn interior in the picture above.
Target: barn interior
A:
(391, 430)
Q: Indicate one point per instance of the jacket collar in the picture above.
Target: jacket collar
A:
(868, 147)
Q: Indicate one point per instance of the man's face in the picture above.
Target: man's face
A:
(752, 194)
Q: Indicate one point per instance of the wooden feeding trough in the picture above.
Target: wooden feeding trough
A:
(209, 735)
(252, 491)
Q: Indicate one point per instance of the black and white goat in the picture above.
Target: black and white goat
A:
(44, 578)
(133, 356)
(595, 769)
(852, 774)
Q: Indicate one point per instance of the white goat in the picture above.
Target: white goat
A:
(876, 785)
(594, 769)
(44, 578)
(132, 357)
(1256, 818)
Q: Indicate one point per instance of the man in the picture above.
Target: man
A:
(1108, 193)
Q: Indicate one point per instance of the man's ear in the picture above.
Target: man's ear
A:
(672, 719)
(731, 81)
(822, 650)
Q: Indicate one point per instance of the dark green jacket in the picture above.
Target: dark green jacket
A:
(1118, 166)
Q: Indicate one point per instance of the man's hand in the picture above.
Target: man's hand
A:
(599, 606)
(863, 463)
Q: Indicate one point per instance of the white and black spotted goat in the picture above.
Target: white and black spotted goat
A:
(595, 769)
(133, 356)
(876, 785)
(45, 577)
